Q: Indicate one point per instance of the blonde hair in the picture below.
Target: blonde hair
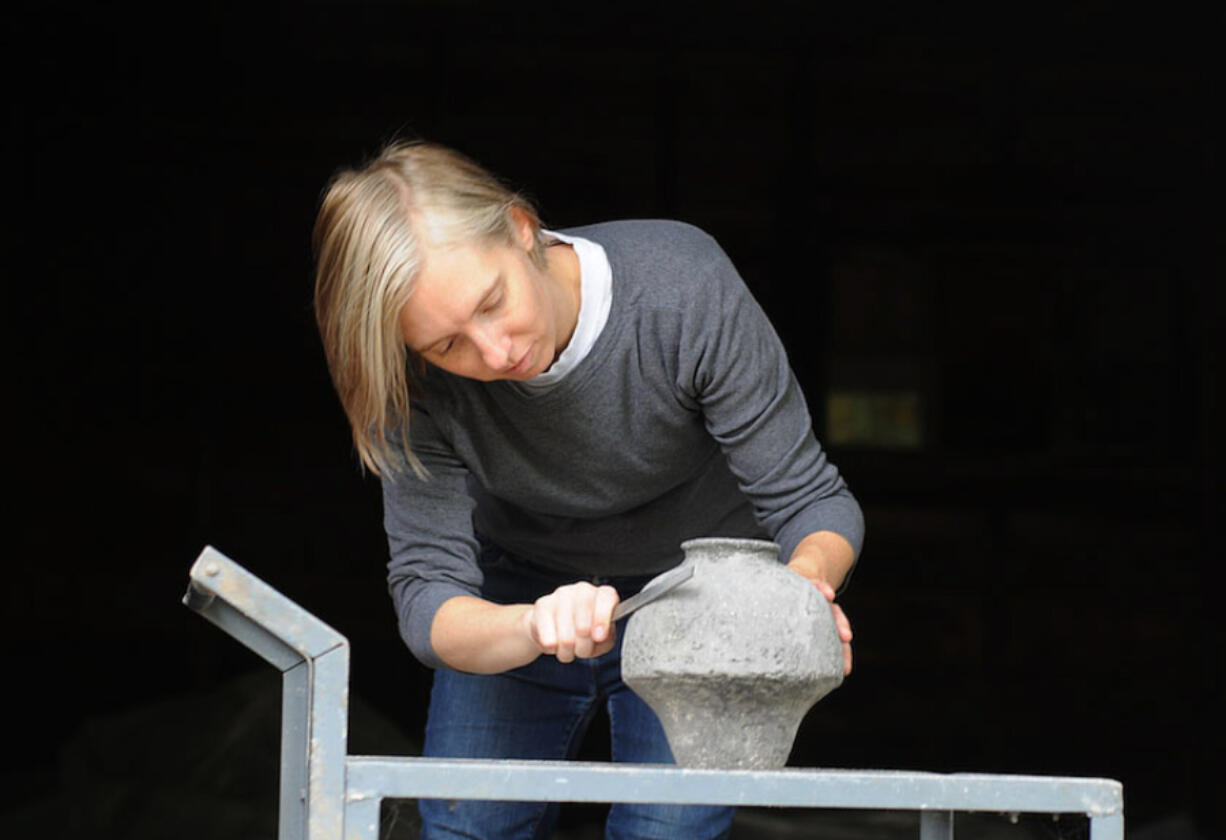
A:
(367, 243)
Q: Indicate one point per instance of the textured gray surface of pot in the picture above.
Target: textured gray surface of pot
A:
(732, 659)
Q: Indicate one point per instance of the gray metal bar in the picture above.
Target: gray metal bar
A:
(362, 818)
(314, 660)
(214, 574)
(1107, 827)
(295, 770)
(936, 825)
(251, 633)
(562, 781)
(326, 748)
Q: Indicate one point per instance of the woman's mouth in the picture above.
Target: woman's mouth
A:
(523, 365)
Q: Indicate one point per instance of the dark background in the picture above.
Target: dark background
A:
(1012, 213)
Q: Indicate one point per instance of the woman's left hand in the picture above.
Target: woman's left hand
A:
(818, 557)
(840, 623)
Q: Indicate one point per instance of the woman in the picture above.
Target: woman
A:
(552, 414)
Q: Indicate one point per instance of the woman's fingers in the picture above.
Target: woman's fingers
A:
(575, 621)
(542, 625)
(564, 618)
(581, 616)
(602, 613)
(843, 626)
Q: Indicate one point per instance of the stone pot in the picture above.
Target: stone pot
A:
(731, 660)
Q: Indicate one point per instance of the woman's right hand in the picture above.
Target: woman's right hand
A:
(574, 621)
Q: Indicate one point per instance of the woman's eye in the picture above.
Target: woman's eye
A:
(493, 304)
(446, 348)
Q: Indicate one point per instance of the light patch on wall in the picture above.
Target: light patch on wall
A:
(879, 419)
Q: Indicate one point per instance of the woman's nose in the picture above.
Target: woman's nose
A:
(494, 346)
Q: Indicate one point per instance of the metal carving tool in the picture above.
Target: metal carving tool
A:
(658, 586)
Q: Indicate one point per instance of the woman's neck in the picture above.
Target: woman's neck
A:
(562, 265)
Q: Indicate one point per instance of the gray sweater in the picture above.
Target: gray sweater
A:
(684, 420)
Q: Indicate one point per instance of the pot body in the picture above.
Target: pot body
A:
(732, 659)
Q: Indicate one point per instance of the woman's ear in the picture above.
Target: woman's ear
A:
(525, 230)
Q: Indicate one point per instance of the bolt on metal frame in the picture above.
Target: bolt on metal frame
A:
(327, 794)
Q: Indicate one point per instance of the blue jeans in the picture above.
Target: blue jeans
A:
(541, 711)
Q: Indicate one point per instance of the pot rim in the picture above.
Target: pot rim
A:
(743, 543)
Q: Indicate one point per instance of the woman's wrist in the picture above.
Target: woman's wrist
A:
(477, 636)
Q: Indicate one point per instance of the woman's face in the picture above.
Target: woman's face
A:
(487, 312)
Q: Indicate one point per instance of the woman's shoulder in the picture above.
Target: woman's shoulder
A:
(651, 239)
(660, 262)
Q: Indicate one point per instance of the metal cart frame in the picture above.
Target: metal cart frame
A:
(327, 794)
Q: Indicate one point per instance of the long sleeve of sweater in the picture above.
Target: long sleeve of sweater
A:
(733, 365)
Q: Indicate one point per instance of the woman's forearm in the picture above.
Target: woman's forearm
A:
(575, 621)
(480, 637)
(825, 556)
